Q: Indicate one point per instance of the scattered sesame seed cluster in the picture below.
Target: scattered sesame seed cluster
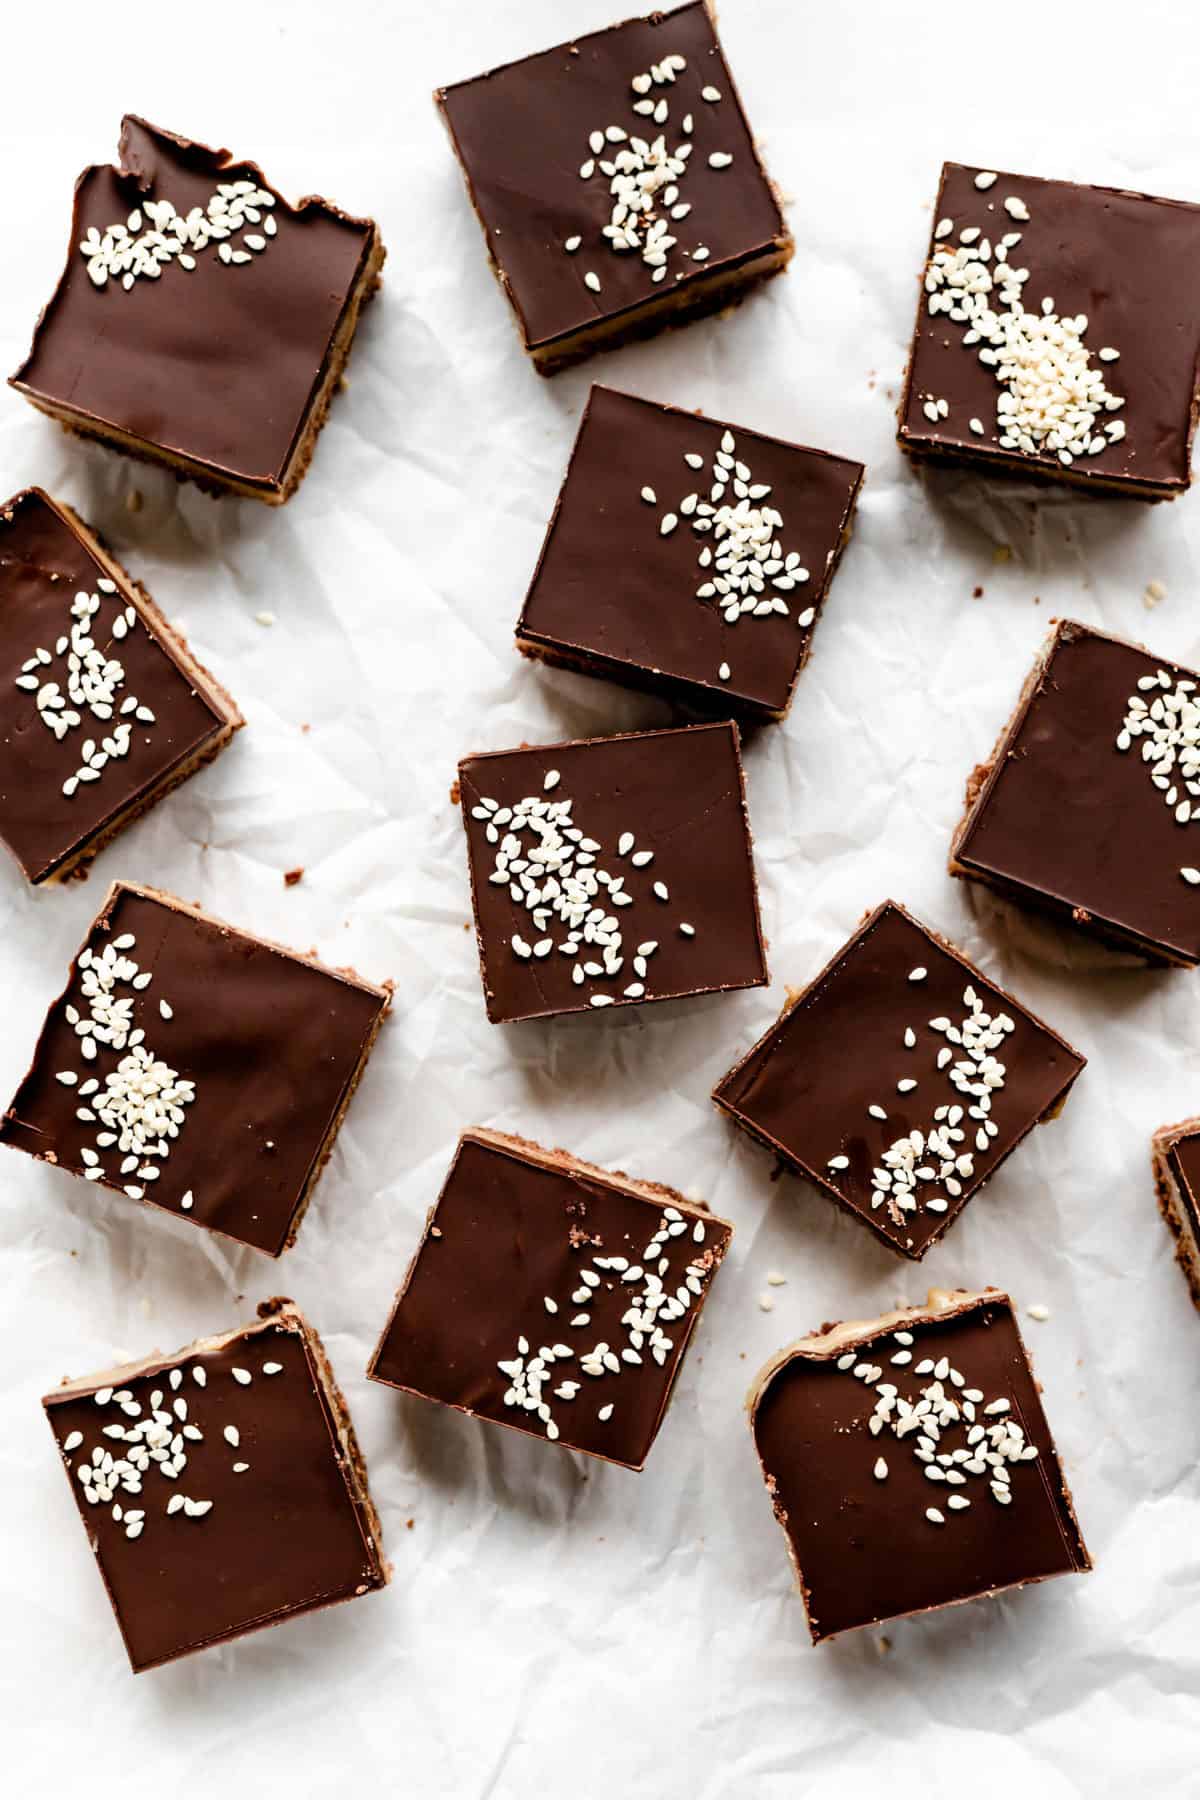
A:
(645, 175)
(653, 1303)
(550, 867)
(943, 1410)
(155, 1443)
(139, 1106)
(154, 235)
(1169, 729)
(94, 681)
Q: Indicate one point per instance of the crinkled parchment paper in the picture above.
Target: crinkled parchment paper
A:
(556, 1627)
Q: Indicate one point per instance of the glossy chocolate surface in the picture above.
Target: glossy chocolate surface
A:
(805, 1088)
(1131, 264)
(1068, 823)
(219, 365)
(522, 135)
(864, 1547)
(513, 1226)
(285, 1532)
(612, 590)
(44, 563)
(272, 1043)
(680, 794)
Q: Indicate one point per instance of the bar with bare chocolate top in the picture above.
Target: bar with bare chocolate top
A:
(617, 183)
(899, 1080)
(552, 1296)
(201, 322)
(688, 557)
(222, 1489)
(611, 872)
(910, 1464)
(1057, 335)
(196, 1068)
(1089, 809)
(103, 708)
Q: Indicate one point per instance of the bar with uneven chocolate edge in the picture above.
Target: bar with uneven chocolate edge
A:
(688, 557)
(552, 1296)
(910, 1463)
(104, 709)
(196, 1068)
(1176, 1157)
(1089, 808)
(201, 322)
(617, 183)
(1057, 334)
(899, 1080)
(611, 872)
(222, 1489)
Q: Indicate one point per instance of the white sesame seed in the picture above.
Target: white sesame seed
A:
(711, 94)
(1016, 207)
(724, 671)
(649, 496)
(592, 280)
(985, 179)
(881, 1470)
(918, 974)
(272, 1368)
(719, 159)
(1038, 1312)
(242, 1377)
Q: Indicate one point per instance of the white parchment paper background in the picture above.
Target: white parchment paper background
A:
(554, 1628)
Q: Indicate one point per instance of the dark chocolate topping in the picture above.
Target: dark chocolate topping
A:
(522, 133)
(680, 794)
(44, 563)
(1068, 822)
(218, 365)
(513, 1226)
(272, 1042)
(1131, 263)
(609, 584)
(865, 1549)
(1184, 1157)
(806, 1086)
(284, 1535)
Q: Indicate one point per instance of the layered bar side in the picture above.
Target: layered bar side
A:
(196, 1068)
(1176, 1160)
(202, 322)
(104, 708)
(222, 1489)
(910, 1464)
(617, 184)
(899, 1080)
(552, 1296)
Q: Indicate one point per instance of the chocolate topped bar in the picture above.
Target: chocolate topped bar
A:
(617, 183)
(899, 1080)
(1176, 1153)
(201, 320)
(1090, 806)
(910, 1463)
(1057, 333)
(688, 557)
(196, 1068)
(551, 1296)
(103, 708)
(611, 871)
(222, 1489)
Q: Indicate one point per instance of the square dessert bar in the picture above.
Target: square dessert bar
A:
(551, 1296)
(1176, 1151)
(196, 1068)
(611, 872)
(221, 1489)
(201, 321)
(103, 708)
(617, 184)
(1090, 806)
(1057, 334)
(899, 1080)
(910, 1464)
(688, 557)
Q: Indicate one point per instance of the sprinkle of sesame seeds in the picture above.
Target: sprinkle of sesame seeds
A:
(146, 245)
(1016, 207)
